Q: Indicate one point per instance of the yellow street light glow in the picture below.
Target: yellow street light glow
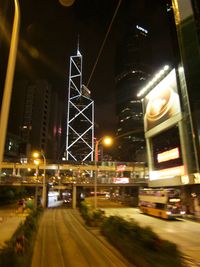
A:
(36, 161)
(107, 141)
(36, 154)
(153, 81)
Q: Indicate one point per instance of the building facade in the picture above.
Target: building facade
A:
(132, 72)
(171, 111)
(35, 117)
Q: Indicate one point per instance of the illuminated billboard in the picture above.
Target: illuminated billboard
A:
(166, 149)
(162, 102)
(167, 173)
(121, 180)
(166, 154)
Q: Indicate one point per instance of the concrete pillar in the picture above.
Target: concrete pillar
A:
(14, 171)
(18, 172)
(74, 197)
(36, 197)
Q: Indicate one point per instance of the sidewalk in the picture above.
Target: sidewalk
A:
(191, 217)
(9, 222)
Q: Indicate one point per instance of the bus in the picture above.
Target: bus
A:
(163, 202)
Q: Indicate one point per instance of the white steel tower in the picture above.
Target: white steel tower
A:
(80, 115)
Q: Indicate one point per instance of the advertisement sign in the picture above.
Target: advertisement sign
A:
(168, 155)
(167, 173)
(166, 149)
(162, 102)
(121, 168)
(121, 180)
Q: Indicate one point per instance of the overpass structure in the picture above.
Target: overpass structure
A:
(81, 174)
(90, 166)
(68, 176)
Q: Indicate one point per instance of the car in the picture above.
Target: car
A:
(67, 201)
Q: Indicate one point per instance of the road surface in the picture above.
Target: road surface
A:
(184, 233)
(62, 240)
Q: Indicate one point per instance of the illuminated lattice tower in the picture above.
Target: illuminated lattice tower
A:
(80, 115)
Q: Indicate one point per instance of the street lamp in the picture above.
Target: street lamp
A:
(106, 141)
(44, 189)
(36, 161)
(9, 79)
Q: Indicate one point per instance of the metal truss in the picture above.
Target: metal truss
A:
(80, 115)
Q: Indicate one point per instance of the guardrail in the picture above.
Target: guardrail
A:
(27, 181)
(90, 166)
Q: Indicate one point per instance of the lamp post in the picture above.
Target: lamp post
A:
(36, 188)
(107, 141)
(44, 188)
(9, 79)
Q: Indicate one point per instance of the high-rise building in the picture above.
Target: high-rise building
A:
(171, 106)
(80, 115)
(35, 117)
(143, 47)
(131, 74)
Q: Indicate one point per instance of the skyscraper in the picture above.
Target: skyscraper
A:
(131, 74)
(80, 115)
(143, 47)
(35, 118)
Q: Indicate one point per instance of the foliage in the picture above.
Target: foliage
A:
(91, 216)
(10, 194)
(141, 246)
(18, 251)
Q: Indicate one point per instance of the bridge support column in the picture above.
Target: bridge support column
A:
(74, 197)
(36, 197)
(14, 171)
(18, 172)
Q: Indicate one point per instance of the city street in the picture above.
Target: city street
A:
(182, 232)
(63, 240)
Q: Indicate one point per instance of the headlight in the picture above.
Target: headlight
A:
(168, 212)
(182, 212)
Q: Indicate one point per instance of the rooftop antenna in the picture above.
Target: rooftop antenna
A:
(78, 52)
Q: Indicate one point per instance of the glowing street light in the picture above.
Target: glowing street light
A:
(37, 154)
(106, 141)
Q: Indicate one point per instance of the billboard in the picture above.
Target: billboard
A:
(162, 103)
(167, 160)
(121, 180)
(166, 149)
(167, 173)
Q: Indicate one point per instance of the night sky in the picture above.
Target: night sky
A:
(49, 34)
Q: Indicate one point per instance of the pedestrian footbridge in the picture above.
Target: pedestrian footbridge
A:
(79, 174)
